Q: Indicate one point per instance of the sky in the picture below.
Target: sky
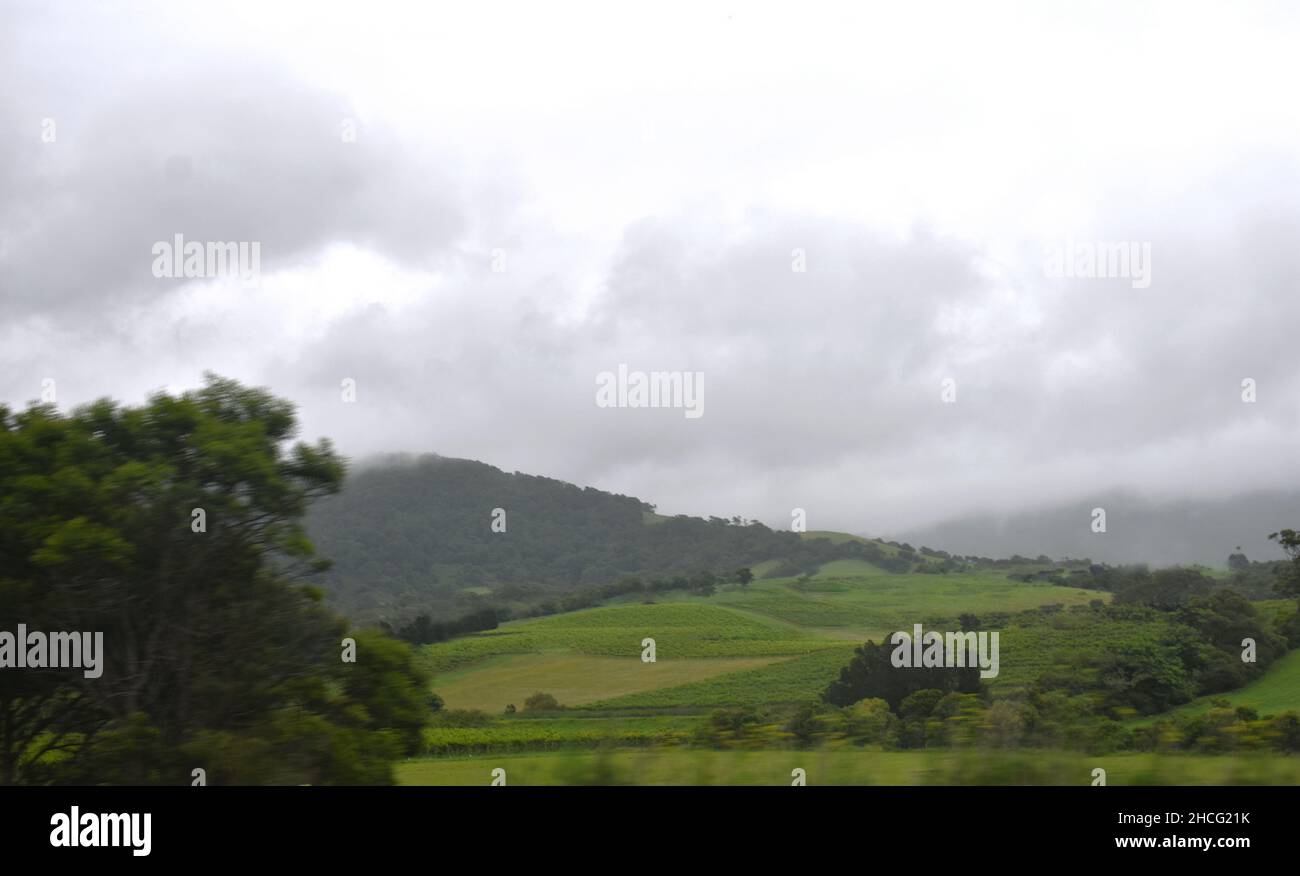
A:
(840, 219)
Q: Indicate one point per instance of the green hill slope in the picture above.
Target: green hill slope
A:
(417, 536)
(1277, 691)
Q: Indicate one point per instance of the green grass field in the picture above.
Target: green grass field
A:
(777, 641)
(793, 680)
(846, 603)
(558, 733)
(576, 679)
(840, 538)
(683, 766)
(854, 599)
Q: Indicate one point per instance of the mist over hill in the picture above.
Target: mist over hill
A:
(1182, 532)
(453, 537)
(412, 534)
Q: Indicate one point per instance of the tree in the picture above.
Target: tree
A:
(704, 583)
(744, 575)
(1147, 676)
(541, 702)
(803, 725)
(1164, 589)
(175, 529)
(869, 721)
(871, 673)
(1222, 621)
(1287, 727)
(1288, 576)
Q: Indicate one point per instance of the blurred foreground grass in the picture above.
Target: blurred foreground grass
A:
(851, 767)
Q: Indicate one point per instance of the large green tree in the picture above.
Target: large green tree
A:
(1288, 576)
(872, 674)
(174, 528)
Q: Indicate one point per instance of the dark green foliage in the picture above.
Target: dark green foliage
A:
(410, 538)
(872, 674)
(1163, 589)
(1287, 728)
(731, 723)
(1221, 730)
(1149, 677)
(1182, 654)
(414, 537)
(803, 725)
(425, 631)
(216, 655)
(1288, 574)
(1223, 621)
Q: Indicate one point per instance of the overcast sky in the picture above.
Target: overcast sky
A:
(640, 178)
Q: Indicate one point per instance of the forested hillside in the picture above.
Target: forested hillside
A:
(466, 545)
(416, 536)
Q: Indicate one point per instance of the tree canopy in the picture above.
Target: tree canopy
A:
(175, 529)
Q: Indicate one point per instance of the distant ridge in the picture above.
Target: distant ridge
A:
(1186, 532)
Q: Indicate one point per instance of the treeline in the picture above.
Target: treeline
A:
(424, 630)
(933, 718)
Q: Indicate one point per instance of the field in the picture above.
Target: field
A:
(853, 600)
(777, 642)
(575, 679)
(567, 732)
(839, 767)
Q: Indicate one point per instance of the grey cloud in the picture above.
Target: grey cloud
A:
(822, 389)
(213, 150)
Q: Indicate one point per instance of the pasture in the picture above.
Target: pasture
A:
(778, 642)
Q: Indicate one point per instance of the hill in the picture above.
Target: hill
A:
(735, 671)
(450, 537)
(777, 641)
(1139, 530)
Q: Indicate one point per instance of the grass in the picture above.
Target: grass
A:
(781, 641)
(801, 679)
(595, 655)
(778, 640)
(679, 629)
(575, 679)
(840, 538)
(862, 600)
(848, 568)
(684, 766)
(522, 733)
